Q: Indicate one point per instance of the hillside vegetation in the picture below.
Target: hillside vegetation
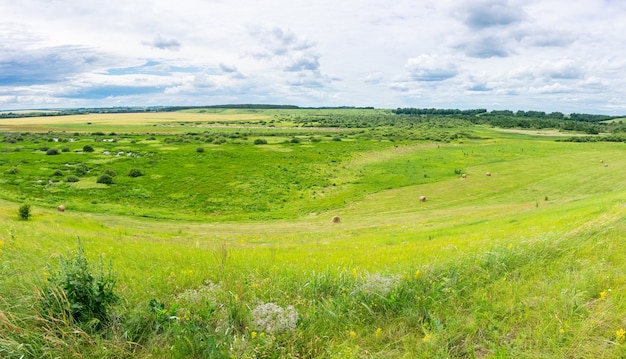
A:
(212, 237)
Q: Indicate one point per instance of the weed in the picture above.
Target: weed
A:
(74, 293)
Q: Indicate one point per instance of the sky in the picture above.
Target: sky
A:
(545, 55)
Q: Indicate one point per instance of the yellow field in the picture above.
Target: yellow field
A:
(77, 122)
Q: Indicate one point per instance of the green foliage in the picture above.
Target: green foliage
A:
(109, 172)
(88, 148)
(70, 179)
(52, 151)
(13, 171)
(200, 149)
(135, 172)
(105, 179)
(74, 292)
(260, 141)
(23, 212)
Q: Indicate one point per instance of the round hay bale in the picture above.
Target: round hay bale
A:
(336, 219)
(464, 175)
(422, 198)
(61, 208)
(601, 161)
(488, 174)
(606, 165)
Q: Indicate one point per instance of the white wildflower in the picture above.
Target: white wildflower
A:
(272, 318)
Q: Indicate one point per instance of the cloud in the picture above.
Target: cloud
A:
(373, 78)
(482, 14)
(45, 65)
(430, 68)
(228, 68)
(162, 43)
(486, 47)
(310, 63)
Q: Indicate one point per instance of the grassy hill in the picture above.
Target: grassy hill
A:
(231, 252)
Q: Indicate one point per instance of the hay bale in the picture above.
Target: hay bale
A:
(61, 208)
(606, 165)
(422, 198)
(463, 175)
(336, 219)
(488, 174)
(601, 161)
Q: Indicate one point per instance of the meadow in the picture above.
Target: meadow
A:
(223, 245)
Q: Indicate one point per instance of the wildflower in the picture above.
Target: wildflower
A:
(620, 335)
(379, 284)
(561, 331)
(603, 294)
(352, 334)
(272, 318)
(426, 338)
(417, 274)
(253, 335)
(379, 332)
(510, 245)
(355, 274)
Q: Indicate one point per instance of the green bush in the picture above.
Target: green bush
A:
(260, 141)
(73, 292)
(52, 151)
(88, 148)
(134, 172)
(81, 169)
(200, 149)
(110, 172)
(24, 212)
(105, 179)
(13, 171)
(65, 149)
(71, 179)
(57, 173)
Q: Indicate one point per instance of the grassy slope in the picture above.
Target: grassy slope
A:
(511, 265)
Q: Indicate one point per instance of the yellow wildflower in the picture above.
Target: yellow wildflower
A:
(352, 334)
(426, 338)
(262, 335)
(417, 274)
(253, 335)
(561, 331)
(510, 245)
(620, 335)
(379, 332)
(603, 294)
(1, 243)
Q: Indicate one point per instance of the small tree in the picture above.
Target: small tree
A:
(24, 212)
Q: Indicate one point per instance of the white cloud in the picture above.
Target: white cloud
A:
(476, 53)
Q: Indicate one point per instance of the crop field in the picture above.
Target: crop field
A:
(301, 234)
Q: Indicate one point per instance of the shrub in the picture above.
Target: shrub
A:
(65, 149)
(105, 179)
(71, 179)
(134, 172)
(57, 173)
(336, 139)
(110, 172)
(24, 212)
(88, 148)
(200, 149)
(260, 141)
(295, 140)
(81, 170)
(13, 171)
(74, 292)
(52, 151)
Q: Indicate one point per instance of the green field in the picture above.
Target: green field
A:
(528, 262)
